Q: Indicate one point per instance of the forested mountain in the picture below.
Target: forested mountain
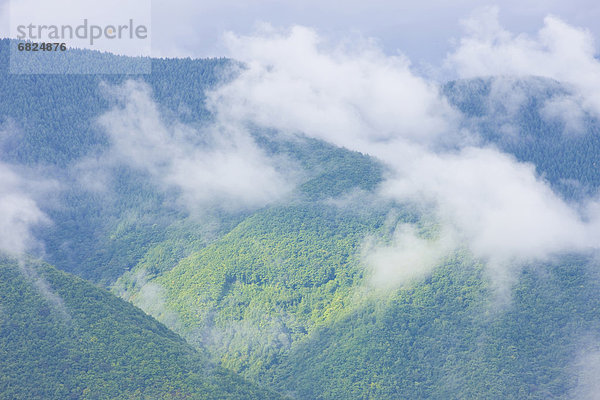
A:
(279, 294)
(49, 122)
(63, 338)
(510, 113)
(443, 339)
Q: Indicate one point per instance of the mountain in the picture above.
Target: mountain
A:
(511, 113)
(283, 298)
(280, 294)
(63, 338)
(49, 123)
(444, 339)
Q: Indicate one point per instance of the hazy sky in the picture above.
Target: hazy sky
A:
(422, 30)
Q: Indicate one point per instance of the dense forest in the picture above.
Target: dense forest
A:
(63, 338)
(251, 302)
(565, 156)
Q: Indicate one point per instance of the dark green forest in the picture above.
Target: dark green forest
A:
(253, 303)
(63, 338)
(566, 159)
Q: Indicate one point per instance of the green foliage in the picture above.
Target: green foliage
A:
(63, 338)
(331, 171)
(268, 282)
(55, 115)
(446, 338)
(279, 294)
(48, 122)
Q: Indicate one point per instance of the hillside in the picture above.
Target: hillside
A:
(509, 113)
(253, 293)
(443, 339)
(284, 299)
(49, 124)
(62, 338)
(279, 292)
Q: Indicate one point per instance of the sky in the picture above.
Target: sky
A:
(424, 31)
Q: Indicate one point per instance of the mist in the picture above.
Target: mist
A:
(557, 51)
(19, 211)
(585, 370)
(359, 98)
(216, 166)
(407, 258)
(20, 214)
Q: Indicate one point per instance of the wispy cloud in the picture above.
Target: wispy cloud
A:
(361, 99)
(586, 369)
(352, 97)
(408, 257)
(558, 51)
(19, 212)
(219, 166)
(43, 287)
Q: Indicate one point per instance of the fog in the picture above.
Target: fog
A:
(357, 97)
(220, 166)
(19, 211)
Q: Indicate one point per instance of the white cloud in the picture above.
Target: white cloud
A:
(407, 257)
(43, 287)
(586, 370)
(136, 288)
(566, 109)
(348, 96)
(558, 51)
(360, 99)
(498, 204)
(220, 166)
(19, 212)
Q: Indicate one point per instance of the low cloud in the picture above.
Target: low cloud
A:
(136, 288)
(296, 82)
(558, 51)
(19, 215)
(19, 212)
(586, 370)
(43, 287)
(499, 205)
(361, 99)
(566, 109)
(409, 256)
(218, 166)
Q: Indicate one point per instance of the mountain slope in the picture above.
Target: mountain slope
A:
(61, 338)
(444, 339)
(250, 295)
(512, 114)
(281, 294)
(49, 123)
(281, 298)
